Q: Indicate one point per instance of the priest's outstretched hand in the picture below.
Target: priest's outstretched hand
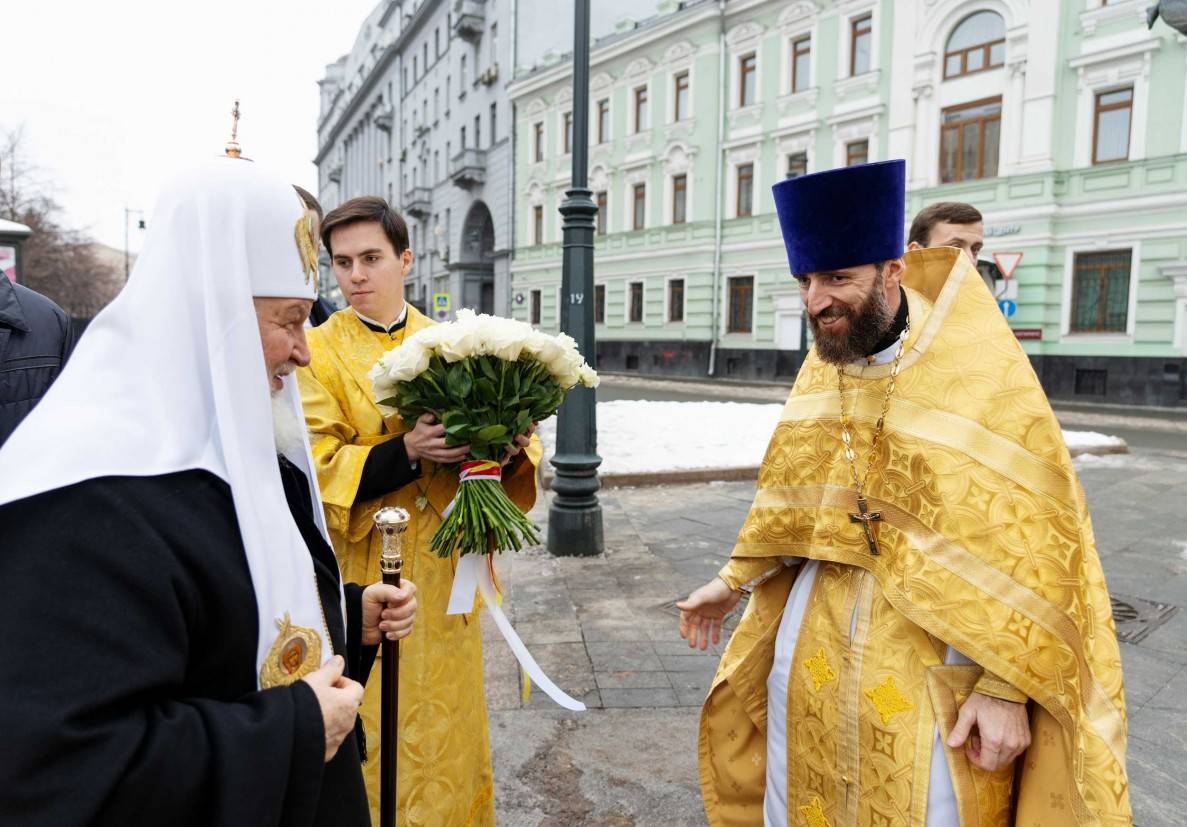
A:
(1002, 731)
(339, 698)
(388, 610)
(702, 611)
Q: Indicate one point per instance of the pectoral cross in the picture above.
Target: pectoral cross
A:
(865, 517)
(232, 148)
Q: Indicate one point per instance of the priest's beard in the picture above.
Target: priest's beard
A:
(286, 429)
(868, 323)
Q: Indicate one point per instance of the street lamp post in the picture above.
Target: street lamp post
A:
(575, 516)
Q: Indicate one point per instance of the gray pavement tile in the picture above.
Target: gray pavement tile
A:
(1158, 788)
(561, 630)
(1146, 674)
(624, 657)
(704, 662)
(694, 697)
(656, 697)
(688, 681)
(632, 680)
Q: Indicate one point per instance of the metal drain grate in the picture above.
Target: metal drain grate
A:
(1136, 618)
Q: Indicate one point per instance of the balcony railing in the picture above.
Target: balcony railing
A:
(418, 201)
(468, 167)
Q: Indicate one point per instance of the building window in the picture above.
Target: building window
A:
(801, 60)
(538, 141)
(1100, 292)
(747, 70)
(679, 198)
(745, 193)
(676, 300)
(461, 92)
(857, 152)
(741, 305)
(601, 220)
(797, 164)
(603, 120)
(861, 41)
(568, 131)
(478, 132)
(494, 122)
(599, 304)
(1110, 131)
(969, 138)
(636, 302)
(640, 108)
(538, 224)
(461, 138)
(437, 42)
(680, 97)
(640, 205)
(535, 311)
(976, 44)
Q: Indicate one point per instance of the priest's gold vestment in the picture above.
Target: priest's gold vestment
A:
(986, 545)
(444, 752)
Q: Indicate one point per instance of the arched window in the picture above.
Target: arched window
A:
(977, 43)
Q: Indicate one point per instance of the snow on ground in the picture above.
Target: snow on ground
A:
(640, 436)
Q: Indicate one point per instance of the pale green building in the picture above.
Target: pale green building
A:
(1063, 122)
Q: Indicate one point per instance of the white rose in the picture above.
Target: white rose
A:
(458, 343)
(406, 362)
(548, 351)
(588, 376)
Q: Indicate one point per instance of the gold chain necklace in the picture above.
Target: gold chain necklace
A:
(863, 514)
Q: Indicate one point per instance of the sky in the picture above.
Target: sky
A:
(115, 96)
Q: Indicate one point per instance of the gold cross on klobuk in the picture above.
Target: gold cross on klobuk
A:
(865, 517)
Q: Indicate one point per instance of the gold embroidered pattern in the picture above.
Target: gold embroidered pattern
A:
(306, 237)
(818, 668)
(887, 699)
(813, 814)
(296, 653)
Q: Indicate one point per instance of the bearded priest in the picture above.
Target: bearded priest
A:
(178, 645)
(928, 639)
(366, 461)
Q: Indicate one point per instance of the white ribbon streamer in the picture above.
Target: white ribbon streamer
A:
(473, 575)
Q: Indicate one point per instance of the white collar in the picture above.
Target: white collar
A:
(386, 327)
(882, 357)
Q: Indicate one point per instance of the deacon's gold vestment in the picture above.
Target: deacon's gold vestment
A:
(986, 545)
(444, 752)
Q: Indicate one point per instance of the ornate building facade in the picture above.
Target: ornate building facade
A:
(1063, 122)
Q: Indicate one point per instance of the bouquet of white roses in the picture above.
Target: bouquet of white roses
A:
(486, 379)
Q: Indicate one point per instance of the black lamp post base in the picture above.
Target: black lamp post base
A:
(575, 532)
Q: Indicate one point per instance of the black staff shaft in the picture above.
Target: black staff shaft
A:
(389, 719)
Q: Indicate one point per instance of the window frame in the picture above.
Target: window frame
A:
(680, 196)
(639, 206)
(1098, 109)
(602, 107)
(854, 34)
(601, 221)
(538, 141)
(730, 329)
(538, 223)
(744, 172)
(630, 302)
(747, 68)
(850, 154)
(535, 306)
(678, 113)
(599, 304)
(669, 304)
(788, 156)
(567, 132)
(796, 53)
(1077, 269)
(641, 95)
(959, 127)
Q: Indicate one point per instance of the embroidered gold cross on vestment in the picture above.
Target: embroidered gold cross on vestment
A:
(865, 517)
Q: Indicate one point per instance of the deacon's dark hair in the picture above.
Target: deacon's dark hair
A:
(366, 208)
(942, 212)
(309, 200)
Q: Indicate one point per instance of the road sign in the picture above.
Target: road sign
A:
(1005, 289)
(1024, 333)
(519, 298)
(1008, 307)
(441, 302)
(1007, 263)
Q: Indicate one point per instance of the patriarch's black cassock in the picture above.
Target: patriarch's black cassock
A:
(128, 687)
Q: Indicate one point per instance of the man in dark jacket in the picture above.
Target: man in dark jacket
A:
(35, 339)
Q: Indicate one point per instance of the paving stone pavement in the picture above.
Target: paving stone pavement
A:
(605, 630)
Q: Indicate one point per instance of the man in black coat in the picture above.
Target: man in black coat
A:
(35, 339)
(178, 647)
